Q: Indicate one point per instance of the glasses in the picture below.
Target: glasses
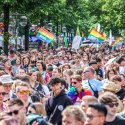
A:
(91, 117)
(73, 82)
(113, 104)
(3, 93)
(7, 86)
(86, 71)
(15, 112)
(24, 91)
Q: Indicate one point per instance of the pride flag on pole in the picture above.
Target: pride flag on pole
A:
(45, 35)
(96, 36)
(83, 36)
(117, 41)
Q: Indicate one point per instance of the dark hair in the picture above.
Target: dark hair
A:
(43, 64)
(15, 102)
(98, 59)
(99, 107)
(25, 58)
(107, 74)
(54, 81)
(63, 82)
(50, 68)
(120, 60)
(116, 78)
(107, 97)
(12, 51)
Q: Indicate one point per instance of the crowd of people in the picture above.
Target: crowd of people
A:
(63, 86)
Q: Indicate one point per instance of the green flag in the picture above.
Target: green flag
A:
(65, 41)
(78, 31)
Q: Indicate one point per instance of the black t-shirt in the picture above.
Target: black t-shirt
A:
(121, 94)
(117, 121)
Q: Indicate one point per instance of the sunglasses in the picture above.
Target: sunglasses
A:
(29, 112)
(113, 104)
(24, 91)
(91, 117)
(73, 82)
(15, 112)
(3, 93)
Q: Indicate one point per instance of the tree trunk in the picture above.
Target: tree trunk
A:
(6, 24)
(27, 37)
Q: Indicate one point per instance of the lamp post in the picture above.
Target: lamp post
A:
(21, 20)
(72, 34)
(64, 32)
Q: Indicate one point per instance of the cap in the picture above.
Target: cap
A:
(6, 79)
(92, 62)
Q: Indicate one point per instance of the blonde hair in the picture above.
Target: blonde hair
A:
(77, 77)
(39, 108)
(76, 111)
(22, 84)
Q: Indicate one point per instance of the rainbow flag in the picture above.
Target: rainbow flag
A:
(45, 35)
(117, 41)
(83, 36)
(96, 36)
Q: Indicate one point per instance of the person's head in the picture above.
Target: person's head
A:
(110, 87)
(64, 84)
(2, 93)
(110, 73)
(123, 80)
(65, 59)
(96, 114)
(15, 109)
(65, 66)
(49, 70)
(55, 85)
(7, 64)
(89, 73)
(67, 75)
(40, 78)
(37, 108)
(33, 75)
(40, 56)
(41, 65)
(18, 61)
(85, 56)
(21, 72)
(111, 101)
(69, 54)
(56, 59)
(118, 81)
(73, 115)
(26, 60)
(93, 64)
(77, 58)
(7, 81)
(23, 91)
(121, 61)
(86, 100)
(8, 120)
(56, 72)
(76, 81)
(99, 61)
(50, 59)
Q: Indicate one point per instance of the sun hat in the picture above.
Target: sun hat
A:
(6, 79)
(110, 86)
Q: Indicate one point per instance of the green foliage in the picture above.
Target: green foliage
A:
(71, 13)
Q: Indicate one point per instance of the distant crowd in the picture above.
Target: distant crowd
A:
(63, 86)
